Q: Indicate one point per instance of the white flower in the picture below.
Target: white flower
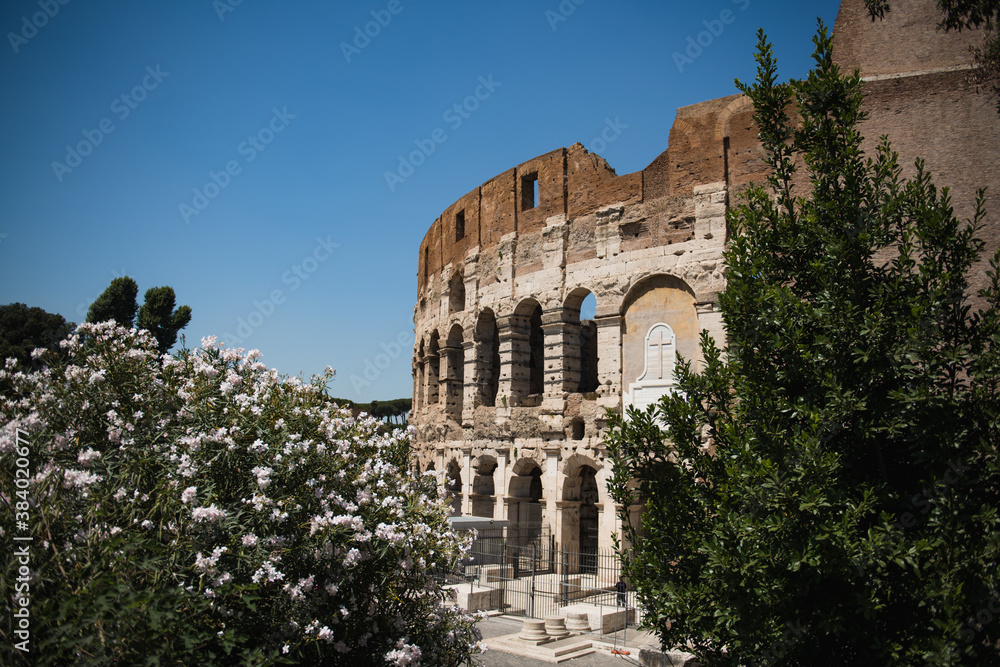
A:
(189, 494)
(210, 513)
(87, 456)
(263, 476)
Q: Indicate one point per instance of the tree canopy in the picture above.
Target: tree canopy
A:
(24, 329)
(157, 314)
(825, 490)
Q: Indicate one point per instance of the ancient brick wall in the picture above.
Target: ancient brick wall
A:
(512, 386)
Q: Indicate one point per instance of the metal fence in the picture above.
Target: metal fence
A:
(521, 571)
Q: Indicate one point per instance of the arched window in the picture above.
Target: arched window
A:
(433, 368)
(455, 377)
(419, 376)
(483, 488)
(528, 350)
(456, 293)
(453, 486)
(487, 358)
(581, 352)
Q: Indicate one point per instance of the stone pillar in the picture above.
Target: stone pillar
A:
(550, 485)
(558, 343)
(710, 320)
(555, 237)
(469, 399)
(562, 341)
(472, 276)
(452, 383)
(510, 340)
(568, 535)
(467, 478)
(710, 211)
(431, 380)
(515, 350)
(609, 360)
(607, 238)
(500, 487)
(511, 507)
(418, 385)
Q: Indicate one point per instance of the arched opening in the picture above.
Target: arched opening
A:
(433, 364)
(581, 354)
(455, 372)
(589, 497)
(487, 358)
(456, 293)
(659, 323)
(528, 350)
(526, 493)
(419, 373)
(453, 486)
(483, 489)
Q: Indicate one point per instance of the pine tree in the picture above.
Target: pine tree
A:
(116, 302)
(157, 315)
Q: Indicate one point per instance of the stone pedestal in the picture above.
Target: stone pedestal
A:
(577, 622)
(555, 627)
(533, 631)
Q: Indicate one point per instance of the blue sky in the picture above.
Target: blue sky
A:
(239, 152)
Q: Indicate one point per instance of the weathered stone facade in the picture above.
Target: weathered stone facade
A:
(511, 387)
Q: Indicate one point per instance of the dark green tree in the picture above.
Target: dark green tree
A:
(825, 490)
(157, 315)
(117, 303)
(23, 329)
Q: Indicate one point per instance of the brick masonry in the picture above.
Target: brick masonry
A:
(509, 399)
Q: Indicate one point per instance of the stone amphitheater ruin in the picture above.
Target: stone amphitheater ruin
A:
(511, 386)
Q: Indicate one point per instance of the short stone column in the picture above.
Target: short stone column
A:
(555, 627)
(533, 631)
(577, 622)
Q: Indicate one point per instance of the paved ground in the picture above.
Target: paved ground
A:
(496, 626)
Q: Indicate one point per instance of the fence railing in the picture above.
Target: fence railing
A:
(525, 574)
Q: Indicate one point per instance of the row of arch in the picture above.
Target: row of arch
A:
(525, 500)
(440, 360)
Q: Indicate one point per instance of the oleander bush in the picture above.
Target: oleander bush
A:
(202, 507)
